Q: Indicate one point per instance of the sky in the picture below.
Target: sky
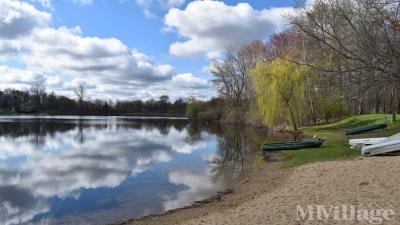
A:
(127, 49)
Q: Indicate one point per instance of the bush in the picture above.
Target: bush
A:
(330, 106)
(193, 108)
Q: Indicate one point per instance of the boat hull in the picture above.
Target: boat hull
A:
(359, 143)
(381, 148)
(282, 146)
(362, 130)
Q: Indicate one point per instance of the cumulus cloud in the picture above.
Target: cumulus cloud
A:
(211, 26)
(19, 18)
(9, 49)
(63, 57)
(12, 77)
(189, 81)
(64, 49)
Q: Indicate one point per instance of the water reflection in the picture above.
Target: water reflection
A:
(199, 185)
(97, 170)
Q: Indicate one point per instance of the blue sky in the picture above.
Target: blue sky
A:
(174, 42)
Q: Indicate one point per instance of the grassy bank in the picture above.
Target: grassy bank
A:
(336, 143)
(8, 113)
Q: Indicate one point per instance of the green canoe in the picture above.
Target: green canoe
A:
(362, 130)
(292, 145)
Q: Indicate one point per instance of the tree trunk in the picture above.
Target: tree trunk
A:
(398, 106)
(377, 103)
(311, 99)
(292, 117)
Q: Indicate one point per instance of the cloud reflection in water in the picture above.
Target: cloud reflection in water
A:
(38, 166)
(199, 185)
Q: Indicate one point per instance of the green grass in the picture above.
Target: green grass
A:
(336, 145)
(8, 113)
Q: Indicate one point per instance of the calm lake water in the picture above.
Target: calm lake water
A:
(99, 170)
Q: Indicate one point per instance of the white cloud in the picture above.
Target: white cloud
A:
(11, 77)
(19, 19)
(175, 3)
(24, 79)
(63, 57)
(150, 5)
(44, 3)
(310, 2)
(162, 3)
(189, 81)
(48, 4)
(211, 26)
(9, 49)
(54, 50)
(144, 3)
(181, 85)
(149, 15)
(83, 2)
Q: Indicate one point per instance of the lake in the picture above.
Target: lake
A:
(100, 170)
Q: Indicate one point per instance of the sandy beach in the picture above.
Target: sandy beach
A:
(271, 196)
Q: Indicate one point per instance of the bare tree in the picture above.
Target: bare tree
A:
(38, 93)
(362, 39)
(232, 75)
(80, 93)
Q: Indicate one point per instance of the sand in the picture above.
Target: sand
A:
(272, 195)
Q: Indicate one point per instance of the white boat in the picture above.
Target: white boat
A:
(382, 147)
(359, 143)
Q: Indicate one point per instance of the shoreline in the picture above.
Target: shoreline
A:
(257, 182)
(271, 196)
(90, 116)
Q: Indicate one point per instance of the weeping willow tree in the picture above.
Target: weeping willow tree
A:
(280, 91)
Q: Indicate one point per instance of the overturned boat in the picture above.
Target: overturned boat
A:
(381, 147)
(390, 144)
(359, 143)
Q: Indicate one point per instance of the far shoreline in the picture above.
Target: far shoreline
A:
(150, 116)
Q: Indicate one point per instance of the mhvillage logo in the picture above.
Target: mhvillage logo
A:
(371, 212)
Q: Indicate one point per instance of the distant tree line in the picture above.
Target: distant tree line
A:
(37, 100)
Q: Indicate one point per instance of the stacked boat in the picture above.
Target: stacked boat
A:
(376, 146)
(359, 143)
